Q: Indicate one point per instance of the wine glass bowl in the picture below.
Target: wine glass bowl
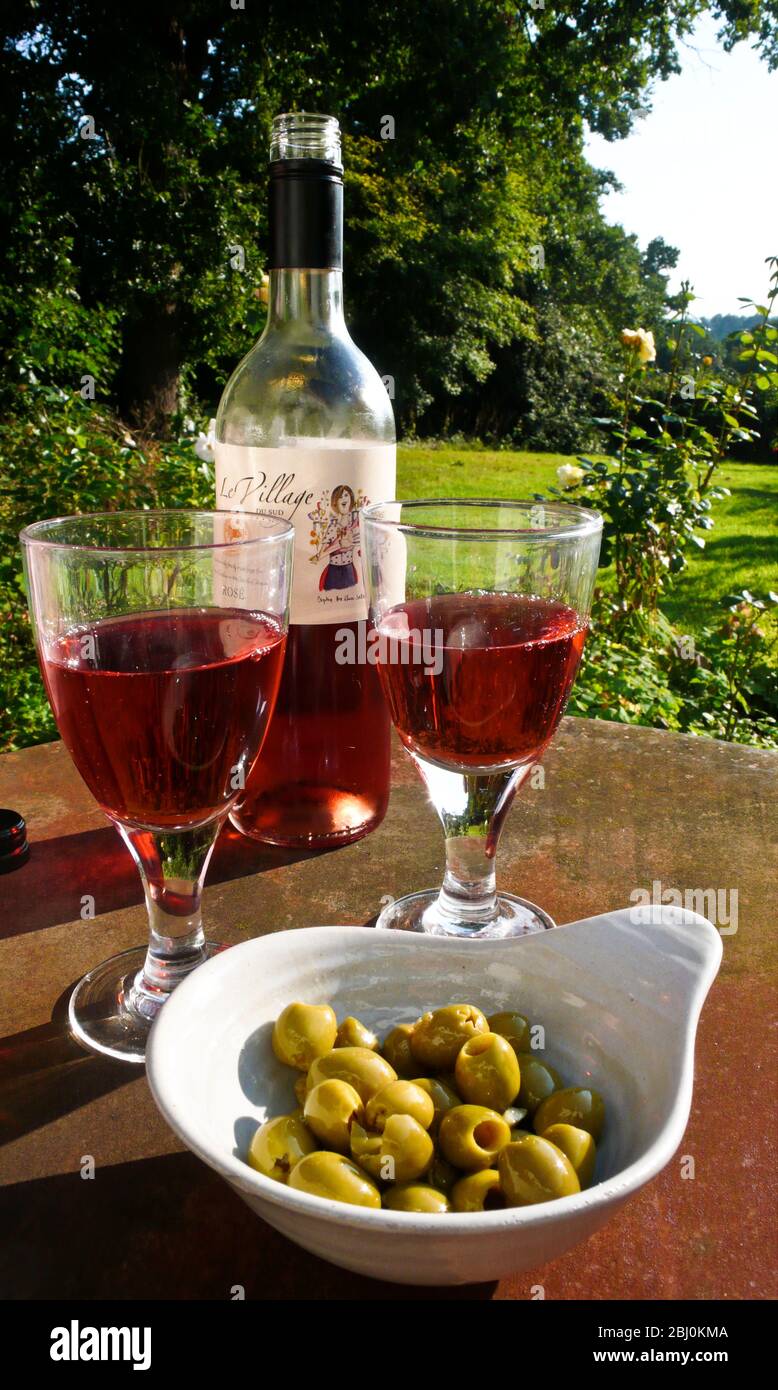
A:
(161, 639)
(481, 611)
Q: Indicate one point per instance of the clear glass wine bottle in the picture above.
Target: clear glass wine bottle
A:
(305, 429)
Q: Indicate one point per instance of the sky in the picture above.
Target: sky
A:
(700, 170)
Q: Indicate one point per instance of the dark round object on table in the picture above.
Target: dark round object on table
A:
(14, 849)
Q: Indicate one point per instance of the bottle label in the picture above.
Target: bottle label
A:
(319, 487)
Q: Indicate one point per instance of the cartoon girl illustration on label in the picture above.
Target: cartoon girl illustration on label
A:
(338, 542)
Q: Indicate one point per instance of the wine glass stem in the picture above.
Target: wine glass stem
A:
(469, 883)
(472, 807)
(172, 867)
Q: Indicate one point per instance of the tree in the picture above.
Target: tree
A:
(135, 143)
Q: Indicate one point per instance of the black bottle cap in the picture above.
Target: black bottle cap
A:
(14, 849)
(306, 215)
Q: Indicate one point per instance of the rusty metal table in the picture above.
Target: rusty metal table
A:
(621, 809)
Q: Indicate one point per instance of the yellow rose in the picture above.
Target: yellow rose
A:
(647, 349)
(569, 474)
(641, 341)
(707, 361)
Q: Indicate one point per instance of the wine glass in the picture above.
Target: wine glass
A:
(161, 639)
(480, 611)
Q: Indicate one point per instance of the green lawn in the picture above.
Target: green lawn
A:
(741, 550)
(428, 471)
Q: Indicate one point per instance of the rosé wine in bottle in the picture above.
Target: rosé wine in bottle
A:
(305, 431)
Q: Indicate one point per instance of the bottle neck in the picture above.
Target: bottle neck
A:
(311, 297)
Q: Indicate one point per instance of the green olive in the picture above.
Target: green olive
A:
(303, 1032)
(575, 1105)
(487, 1072)
(279, 1145)
(577, 1145)
(331, 1175)
(366, 1148)
(443, 1096)
(441, 1174)
(352, 1033)
(415, 1196)
(514, 1027)
(408, 1145)
(363, 1069)
(471, 1136)
(438, 1035)
(514, 1115)
(399, 1098)
(397, 1050)
(538, 1080)
(402, 1152)
(478, 1192)
(330, 1110)
(301, 1087)
(534, 1170)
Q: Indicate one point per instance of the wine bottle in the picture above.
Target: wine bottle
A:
(305, 430)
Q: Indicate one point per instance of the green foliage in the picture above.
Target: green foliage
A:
(700, 678)
(671, 436)
(741, 18)
(573, 367)
(447, 245)
(159, 212)
(62, 455)
(75, 457)
(481, 275)
(623, 680)
(566, 371)
(722, 684)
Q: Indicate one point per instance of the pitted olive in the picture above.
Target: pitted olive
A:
(303, 1032)
(332, 1175)
(366, 1071)
(352, 1033)
(438, 1036)
(278, 1145)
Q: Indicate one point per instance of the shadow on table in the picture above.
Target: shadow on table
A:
(49, 889)
(45, 1073)
(164, 1228)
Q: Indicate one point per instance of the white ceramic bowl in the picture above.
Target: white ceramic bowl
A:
(619, 997)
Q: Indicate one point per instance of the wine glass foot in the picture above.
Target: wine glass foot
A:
(421, 912)
(107, 1013)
